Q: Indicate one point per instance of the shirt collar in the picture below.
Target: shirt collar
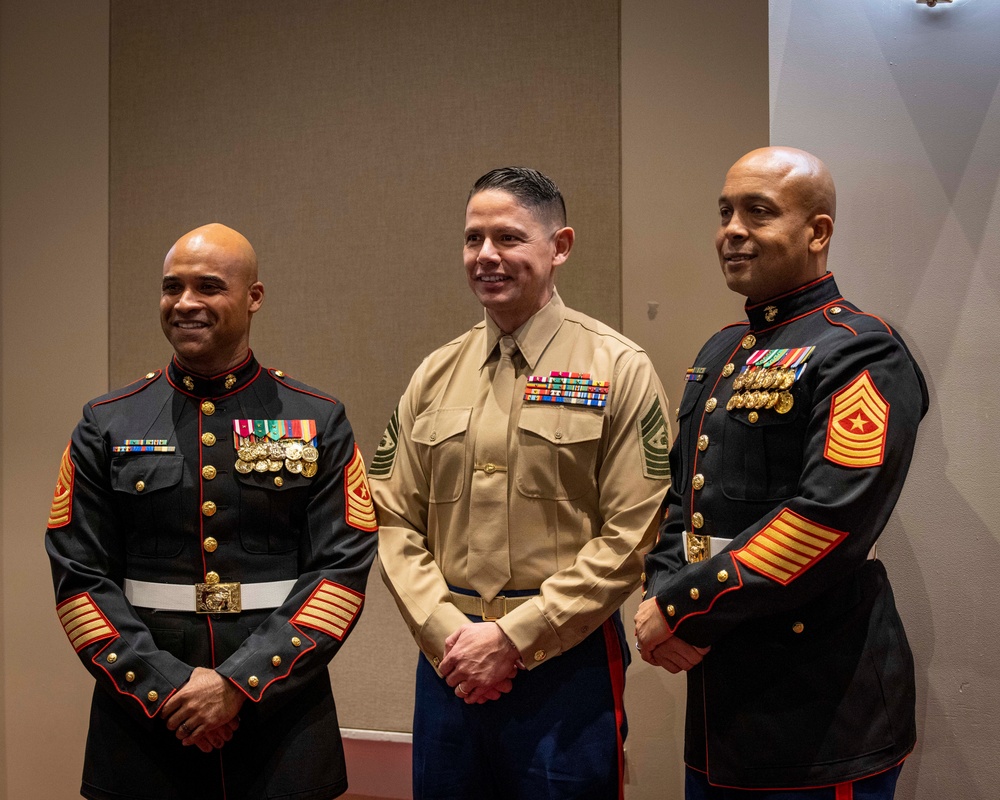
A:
(533, 336)
(228, 382)
(785, 307)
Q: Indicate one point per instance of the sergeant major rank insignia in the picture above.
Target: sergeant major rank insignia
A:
(655, 439)
(385, 455)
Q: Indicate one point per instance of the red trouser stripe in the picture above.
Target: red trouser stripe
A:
(617, 672)
(843, 791)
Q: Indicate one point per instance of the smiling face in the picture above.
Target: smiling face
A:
(210, 292)
(511, 254)
(775, 222)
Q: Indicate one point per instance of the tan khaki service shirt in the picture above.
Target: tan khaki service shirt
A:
(584, 483)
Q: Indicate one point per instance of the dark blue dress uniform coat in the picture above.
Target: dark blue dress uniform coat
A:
(810, 678)
(175, 518)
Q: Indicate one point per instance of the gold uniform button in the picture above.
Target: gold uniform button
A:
(253, 681)
(212, 577)
(279, 373)
(276, 660)
(728, 370)
(697, 520)
(209, 472)
(211, 544)
(296, 641)
(140, 485)
(695, 594)
(798, 627)
(152, 697)
(208, 408)
(723, 576)
(208, 508)
(698, 481)
(703, 442)
(642, 577)
(150, 375)
(835, 310)
(539, 655)
(279, 481)
(752, 416)
(748, 341)
(208, 439)
(112, 658)
(671, 611)
(711, 404)
(130, 676)
(435, 661)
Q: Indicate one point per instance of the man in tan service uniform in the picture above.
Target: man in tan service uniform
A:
(518, 485)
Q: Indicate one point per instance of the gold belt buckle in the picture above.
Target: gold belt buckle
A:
(699, 548)
(494, 609)
(217, 598)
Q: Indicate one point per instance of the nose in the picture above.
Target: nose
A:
(488, 253)
(734, 229)
(187, 300)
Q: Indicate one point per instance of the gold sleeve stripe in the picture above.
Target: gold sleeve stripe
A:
(859, 420)
(61, 511)
(83, 621)
(787, 546)
(331, 608)
(360, 510)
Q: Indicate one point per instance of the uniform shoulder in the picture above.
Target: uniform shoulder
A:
(282, 379)
(153, 378)
(850, 317)
(598, 328)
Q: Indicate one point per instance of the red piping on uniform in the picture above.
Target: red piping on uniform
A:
(727, 590)
(300, 391)
(149, 382)
(826, 277)
(114, 683)
(616, 671)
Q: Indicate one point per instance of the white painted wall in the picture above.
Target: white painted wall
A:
(902, 103)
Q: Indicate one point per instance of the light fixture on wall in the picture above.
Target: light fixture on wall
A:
(931, 3)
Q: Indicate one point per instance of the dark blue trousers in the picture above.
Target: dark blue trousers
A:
(876, 787)
(557, 735)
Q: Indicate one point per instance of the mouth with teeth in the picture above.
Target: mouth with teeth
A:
(492, 278)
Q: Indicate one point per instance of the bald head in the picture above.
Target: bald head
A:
(210, 293)
(795, 168)
(220, 240)
(776, 212)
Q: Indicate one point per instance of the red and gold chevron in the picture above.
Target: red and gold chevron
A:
(360, 510)
(83, 621)
(859, 418)
(62, 501)
(787, 546)
(330, 609)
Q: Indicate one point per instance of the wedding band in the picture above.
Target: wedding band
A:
(461, 691)
(186, 729)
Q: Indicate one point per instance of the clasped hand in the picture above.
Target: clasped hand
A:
(480, 662)
(658, 646)
(204, 711)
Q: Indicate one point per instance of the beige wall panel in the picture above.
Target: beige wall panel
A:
(342, 138)
(53, 290)
(694, 98)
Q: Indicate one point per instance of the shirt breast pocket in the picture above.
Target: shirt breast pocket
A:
(762, 460)
(443, 437)
(272, 517)
(145, 493)
(557, 451)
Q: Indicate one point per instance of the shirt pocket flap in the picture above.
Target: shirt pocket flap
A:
(143, 474)
(433, 427)
(562, 425)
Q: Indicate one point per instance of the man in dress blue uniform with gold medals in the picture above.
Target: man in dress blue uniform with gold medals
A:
(796, 432)
(210, 539)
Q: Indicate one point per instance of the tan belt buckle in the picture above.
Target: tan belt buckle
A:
(699, 548)
(494, 609)
(217, 598)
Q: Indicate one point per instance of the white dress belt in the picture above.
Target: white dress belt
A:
(182, 596)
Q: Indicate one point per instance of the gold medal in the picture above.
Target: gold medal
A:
(758, 381)
(245, 453)
(309, 468)
(309, 453)
(242, 466)
(788, 379)
(785, 403)
(260, 466)
(772, 401)
(274, 465)
(295, 467)
(765, 398)
(732, 403)
(739, 380)
(275, 452)
(293, 450)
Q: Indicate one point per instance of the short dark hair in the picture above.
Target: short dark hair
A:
(531, 188)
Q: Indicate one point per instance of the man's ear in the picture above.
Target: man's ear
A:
(564, 238)
(822, 230)
(256, 292)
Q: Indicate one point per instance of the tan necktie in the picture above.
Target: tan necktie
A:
(489, 545)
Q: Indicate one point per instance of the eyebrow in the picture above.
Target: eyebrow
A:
(755, 197)
(201, 278)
